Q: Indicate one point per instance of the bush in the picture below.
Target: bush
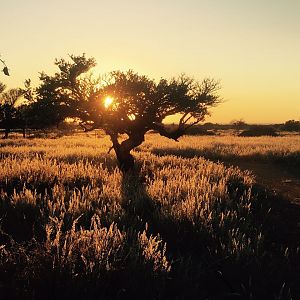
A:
(259, 130)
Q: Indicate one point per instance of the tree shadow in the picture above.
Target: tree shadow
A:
(278, 189)
(139, 207)
(283, 219)
(280, 220)
(187, 247)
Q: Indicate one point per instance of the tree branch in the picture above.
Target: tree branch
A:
(86, 129)
(174, 135)
(183, 121)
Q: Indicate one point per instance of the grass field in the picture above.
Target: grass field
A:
(183, 225)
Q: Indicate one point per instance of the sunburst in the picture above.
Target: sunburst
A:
(108, 101)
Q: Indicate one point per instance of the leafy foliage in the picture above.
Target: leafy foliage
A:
(142, 104)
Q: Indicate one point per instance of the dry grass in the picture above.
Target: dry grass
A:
(71, 224)
(282, 148)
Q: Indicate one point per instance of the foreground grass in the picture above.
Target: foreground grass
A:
(176, 228)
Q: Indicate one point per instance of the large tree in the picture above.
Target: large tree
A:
(127, 103)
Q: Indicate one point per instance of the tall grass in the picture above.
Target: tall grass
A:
(284, 149)
(73, 226)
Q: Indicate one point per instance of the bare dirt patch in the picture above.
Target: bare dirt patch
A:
(283, 180)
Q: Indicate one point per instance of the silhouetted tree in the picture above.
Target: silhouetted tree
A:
(259, 130)
(10, 116)
(15, 109)
(64, 94)
(291, 125)
(28, 114)
(139, 104)
(239, 124)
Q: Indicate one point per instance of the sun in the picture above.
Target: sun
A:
(108, 101)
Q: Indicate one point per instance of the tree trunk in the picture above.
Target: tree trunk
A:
(125, 160)
(7, 131)
(24, 133)
(124, 157)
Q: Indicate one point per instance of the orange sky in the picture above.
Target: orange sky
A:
(251, 46)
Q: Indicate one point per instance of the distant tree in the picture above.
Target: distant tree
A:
(29, 114)
(239, 124)
(136, 105)
(291, 125)
(10, 116)
(259, 130)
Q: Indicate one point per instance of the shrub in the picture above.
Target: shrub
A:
(259, 130)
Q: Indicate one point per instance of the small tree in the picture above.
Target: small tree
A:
(127, 103)
(10, 115)
(239, 124)
(291, 125)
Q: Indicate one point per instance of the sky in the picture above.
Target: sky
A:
(251, 46)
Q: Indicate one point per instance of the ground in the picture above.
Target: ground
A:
(199, 219)
(284, 182)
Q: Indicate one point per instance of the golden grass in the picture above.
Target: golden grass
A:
(283, 148)
(88, 219)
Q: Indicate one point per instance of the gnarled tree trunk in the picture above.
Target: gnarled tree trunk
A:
(123, 149)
